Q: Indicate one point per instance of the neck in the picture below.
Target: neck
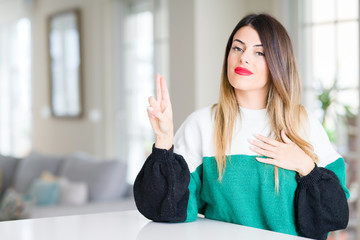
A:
(251, 99)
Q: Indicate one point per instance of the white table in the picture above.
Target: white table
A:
(128, 225)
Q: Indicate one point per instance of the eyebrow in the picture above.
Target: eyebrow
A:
(238, 40)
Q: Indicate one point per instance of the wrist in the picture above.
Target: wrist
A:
(306, 168)
(163, 142)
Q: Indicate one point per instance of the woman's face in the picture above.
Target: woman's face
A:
(247, 68)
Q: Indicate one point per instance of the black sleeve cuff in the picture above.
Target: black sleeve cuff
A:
(162, 154)
(161, 188)
(313, 177)
(320, 204)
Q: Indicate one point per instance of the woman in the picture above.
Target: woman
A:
(256, 158)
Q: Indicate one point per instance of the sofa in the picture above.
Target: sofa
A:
(43, 185)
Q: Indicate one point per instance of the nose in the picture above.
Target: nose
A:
(244, 57)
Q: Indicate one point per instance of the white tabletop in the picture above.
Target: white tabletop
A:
(128, 225)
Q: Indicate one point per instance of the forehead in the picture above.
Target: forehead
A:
(248, 35)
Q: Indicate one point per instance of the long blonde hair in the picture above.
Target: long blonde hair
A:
(284, 107)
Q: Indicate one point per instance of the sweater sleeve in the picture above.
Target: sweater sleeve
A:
(320, 204)
(161, 188)
(321, 196)
(168, 187)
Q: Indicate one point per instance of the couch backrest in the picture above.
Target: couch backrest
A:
(8, 167)
(106, 179)
(31, 168)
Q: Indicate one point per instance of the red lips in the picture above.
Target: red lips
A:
(243, 71)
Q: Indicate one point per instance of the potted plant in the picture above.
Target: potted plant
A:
(350, 118)
(327, 98)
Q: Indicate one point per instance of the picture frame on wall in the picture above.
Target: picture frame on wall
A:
(65, 64)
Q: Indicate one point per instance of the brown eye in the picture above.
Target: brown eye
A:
(237, 49)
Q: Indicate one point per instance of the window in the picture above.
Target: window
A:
(330, 43)
(144, 54)
(15, 90)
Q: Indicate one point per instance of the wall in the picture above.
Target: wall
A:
(182, 59)
(214, 22)
(18, 10)
(198, 32)
(63, 136)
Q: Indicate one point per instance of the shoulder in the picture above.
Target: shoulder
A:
(320, 141)
(198, 121)
(312, 118)
(201, 115)
(316, 131)
(189, 138)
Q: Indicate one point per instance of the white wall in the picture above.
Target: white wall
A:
(18, 10)
(198, 30)
(182, 58)
(214, 22)
(64, 136)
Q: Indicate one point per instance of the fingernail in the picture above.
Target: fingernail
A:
(150, 108)
(152, 116)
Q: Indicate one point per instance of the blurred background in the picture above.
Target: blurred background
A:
(75, 76)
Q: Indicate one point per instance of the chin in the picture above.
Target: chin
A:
(240, 84)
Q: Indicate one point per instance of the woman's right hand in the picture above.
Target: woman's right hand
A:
(161, 116)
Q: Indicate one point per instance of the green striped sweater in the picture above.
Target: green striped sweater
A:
(246, 195)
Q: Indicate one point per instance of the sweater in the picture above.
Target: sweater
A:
(175, 185)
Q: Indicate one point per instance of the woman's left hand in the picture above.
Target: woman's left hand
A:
(285, 154)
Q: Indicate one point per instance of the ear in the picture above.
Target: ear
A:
(284, 137)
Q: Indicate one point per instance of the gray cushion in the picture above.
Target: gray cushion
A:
(106, 179)
(8, 167)
(32, 166)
